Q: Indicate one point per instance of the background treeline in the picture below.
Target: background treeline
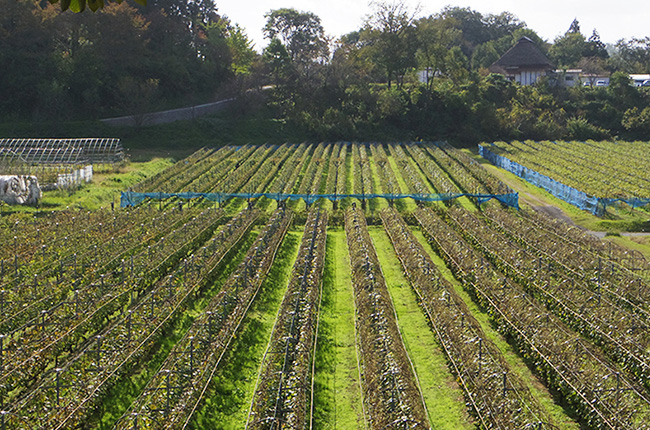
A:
(128, 59)
(365, 84)
(122, 59)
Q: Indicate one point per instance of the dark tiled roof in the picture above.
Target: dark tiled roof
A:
(524, 54)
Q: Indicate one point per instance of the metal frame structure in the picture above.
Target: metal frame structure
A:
(61, 151)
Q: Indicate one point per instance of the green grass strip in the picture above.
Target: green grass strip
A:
(409, 205)
(120, 395)
(337, 399)
(231, 390)
(560, 416)
(442, 395)
(376, 204)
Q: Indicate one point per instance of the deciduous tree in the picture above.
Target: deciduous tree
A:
(391, 31)
(94, 5)
(301, 33)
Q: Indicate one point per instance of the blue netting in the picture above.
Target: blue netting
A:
(130, 198)
(580, 199)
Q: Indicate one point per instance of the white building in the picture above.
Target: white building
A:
(640, 80)
(569, 77)
(524, 63)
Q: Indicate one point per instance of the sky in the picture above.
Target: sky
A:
(549, 18)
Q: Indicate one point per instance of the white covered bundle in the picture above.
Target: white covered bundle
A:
(19, 189)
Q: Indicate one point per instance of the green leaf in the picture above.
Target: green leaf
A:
(95, 4)
(142, 2)
(65, 4)
(77, 5)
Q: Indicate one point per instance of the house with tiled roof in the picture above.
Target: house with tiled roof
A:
(524, 63)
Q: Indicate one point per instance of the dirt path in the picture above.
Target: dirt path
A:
(529, 199)
(555, 212)
(537, 203)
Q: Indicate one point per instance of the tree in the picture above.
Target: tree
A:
(632, 56)
(567, 50)
(301, 33)
(436, 36)
(484, 55)
(620, 86)
(595, 47)
(503, 24)
(471, 24)
(637, 121)
(94, 5)
(278, 59)
(457, 65)
(594, 67)
(241, 50)
(296, 53)
(26, 55)
(390, 29)
(574, 28)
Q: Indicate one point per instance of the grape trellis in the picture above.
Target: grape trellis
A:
(166, 290)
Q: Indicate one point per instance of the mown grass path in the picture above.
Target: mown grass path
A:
(538, 390)
(231, 391)
(443, 397)
(337, 400)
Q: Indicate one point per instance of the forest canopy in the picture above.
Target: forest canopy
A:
(122, 59)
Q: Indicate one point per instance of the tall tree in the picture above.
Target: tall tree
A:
(633, 55)
(595, 47)
(436, 36)
(567, 50)
(471, 24)
(301, 33)
(391, 31)
(241, 50)
(574, 28)
(94, 5)
(26, 55)
(296, 55)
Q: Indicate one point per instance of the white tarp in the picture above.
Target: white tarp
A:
(19, 190)
(67, 180)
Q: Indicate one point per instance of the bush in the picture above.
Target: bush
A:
(581, 129)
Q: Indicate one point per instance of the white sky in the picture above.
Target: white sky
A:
(549, 18)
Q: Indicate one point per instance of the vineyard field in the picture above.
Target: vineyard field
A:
(590, 175)
(364, 304)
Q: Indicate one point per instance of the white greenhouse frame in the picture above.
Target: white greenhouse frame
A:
(61, 151)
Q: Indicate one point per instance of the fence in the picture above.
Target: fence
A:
(580, 199)
(164, 117)
(130, 198)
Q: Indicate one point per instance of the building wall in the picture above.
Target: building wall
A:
(528, 77)
(638, 80)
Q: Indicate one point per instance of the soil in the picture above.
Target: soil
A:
(555, 212)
